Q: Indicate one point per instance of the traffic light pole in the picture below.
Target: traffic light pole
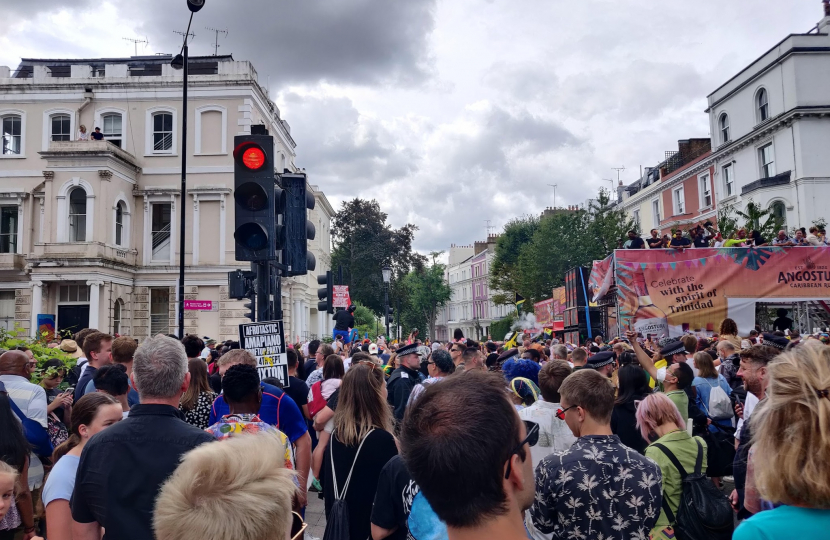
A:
(182, 199)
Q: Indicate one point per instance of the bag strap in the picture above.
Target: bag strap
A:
(673, 459)
(342, 494)
(699, 459)
(667, 510)
(17, 411)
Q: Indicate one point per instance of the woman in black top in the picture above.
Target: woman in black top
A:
(633, 386)
(362, 416)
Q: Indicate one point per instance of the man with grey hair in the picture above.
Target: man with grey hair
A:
(122, 468)
(559, 352)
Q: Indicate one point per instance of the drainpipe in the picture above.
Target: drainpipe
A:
(87, 100)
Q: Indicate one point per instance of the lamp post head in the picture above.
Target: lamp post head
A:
(195, 5)
(387, 274)
(177, 62)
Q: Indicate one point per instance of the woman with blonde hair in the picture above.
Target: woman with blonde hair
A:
(360, 445)
(791, 442)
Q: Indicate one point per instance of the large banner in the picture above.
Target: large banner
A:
(559, 303)
(544, 312)
(671, 292)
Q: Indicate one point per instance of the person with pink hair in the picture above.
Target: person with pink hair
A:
(662, 426)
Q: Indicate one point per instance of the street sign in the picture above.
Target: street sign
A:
(341, 296)
(266, 342)
(201, 305)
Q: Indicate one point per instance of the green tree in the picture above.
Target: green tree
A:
(363, 243)
(426, 292)
(567, 239)
(366, 322)
(727, 222)
(761, 220)
(504, 271)
(500, 328)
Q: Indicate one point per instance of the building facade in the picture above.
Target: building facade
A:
(89, 229)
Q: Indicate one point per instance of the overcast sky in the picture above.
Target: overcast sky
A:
(452, 112)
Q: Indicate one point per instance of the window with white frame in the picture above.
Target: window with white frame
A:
(723, 124)
(162, 132)
(117, 309)
(655, 212)
(766, 160)
(12, 127)
(705, 191)
(637, 218)
(112, 128)
(77, 215)
(119, 224)
(159, 311)
(780, 212)
(729, 179)
(73, 294)
(60, 127)
(762, 104)
(160, 234)
(679, 199)
(8, 229)
(7, 310)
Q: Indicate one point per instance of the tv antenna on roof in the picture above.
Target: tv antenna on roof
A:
(216, 45)
(135, 42)
(489, 227)
(619, 170)
(184, 36)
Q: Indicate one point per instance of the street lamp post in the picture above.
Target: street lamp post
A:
(387, 277)
(180, 62)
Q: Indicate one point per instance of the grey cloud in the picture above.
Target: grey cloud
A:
(522, 81)
(362, 42)
(342, 151)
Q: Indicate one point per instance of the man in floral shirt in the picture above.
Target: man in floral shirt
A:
(244, 395)
(598, 488)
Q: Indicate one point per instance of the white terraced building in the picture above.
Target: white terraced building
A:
(89, 230)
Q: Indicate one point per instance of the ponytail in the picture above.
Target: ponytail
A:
(67, 445)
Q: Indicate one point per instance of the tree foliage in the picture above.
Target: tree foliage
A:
(426, 292)
(533, 265)
(761, 220)
(363, 243)
(727, 222)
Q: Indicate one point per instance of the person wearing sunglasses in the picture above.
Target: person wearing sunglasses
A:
(209, 495)
(469, 453)
(579, 492)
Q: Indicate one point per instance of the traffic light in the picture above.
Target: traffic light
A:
(298, 228)
(257, 198)
(390, 314)
(250, 309)
(325, 294)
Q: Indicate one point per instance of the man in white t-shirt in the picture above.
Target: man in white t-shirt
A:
(554, 434)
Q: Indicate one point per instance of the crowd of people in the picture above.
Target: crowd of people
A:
(704, 235)
(631, 438)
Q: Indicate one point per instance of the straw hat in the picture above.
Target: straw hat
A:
(69, 346)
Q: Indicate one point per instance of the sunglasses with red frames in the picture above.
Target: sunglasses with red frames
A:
(530, 439)
(560, 413)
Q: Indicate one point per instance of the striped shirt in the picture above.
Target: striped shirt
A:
(31, 400)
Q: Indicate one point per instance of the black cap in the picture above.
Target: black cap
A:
(601, 359)
(412, 348)
(776, 342)
(672, 347)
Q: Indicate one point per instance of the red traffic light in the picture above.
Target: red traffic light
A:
(251, 155)
(253, 158)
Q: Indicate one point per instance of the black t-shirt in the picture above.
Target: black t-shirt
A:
(331, 403)
(636, 243)
(680, 242)
(701, 241)
(655, 243)
(782, 323)
(297, 390)
(308, 367)
(97, 136)
(378, 448)
(343, 320)
(50, 397)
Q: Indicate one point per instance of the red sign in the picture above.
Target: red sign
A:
(199, 305)
(544, 312)
(559, 303)
(341, 296)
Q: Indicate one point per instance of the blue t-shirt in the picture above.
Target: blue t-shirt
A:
(132, 395)
(61, 480)
(785, 523)
(277, 409)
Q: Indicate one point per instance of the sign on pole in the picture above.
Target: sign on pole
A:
(266, 342)
(201, 305)
(341, 296)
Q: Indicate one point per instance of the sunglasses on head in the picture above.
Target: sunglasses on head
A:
(530, 439)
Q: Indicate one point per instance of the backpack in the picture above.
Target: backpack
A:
(337, 522)
(719, 406)
(704, 512)
(318, 402)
